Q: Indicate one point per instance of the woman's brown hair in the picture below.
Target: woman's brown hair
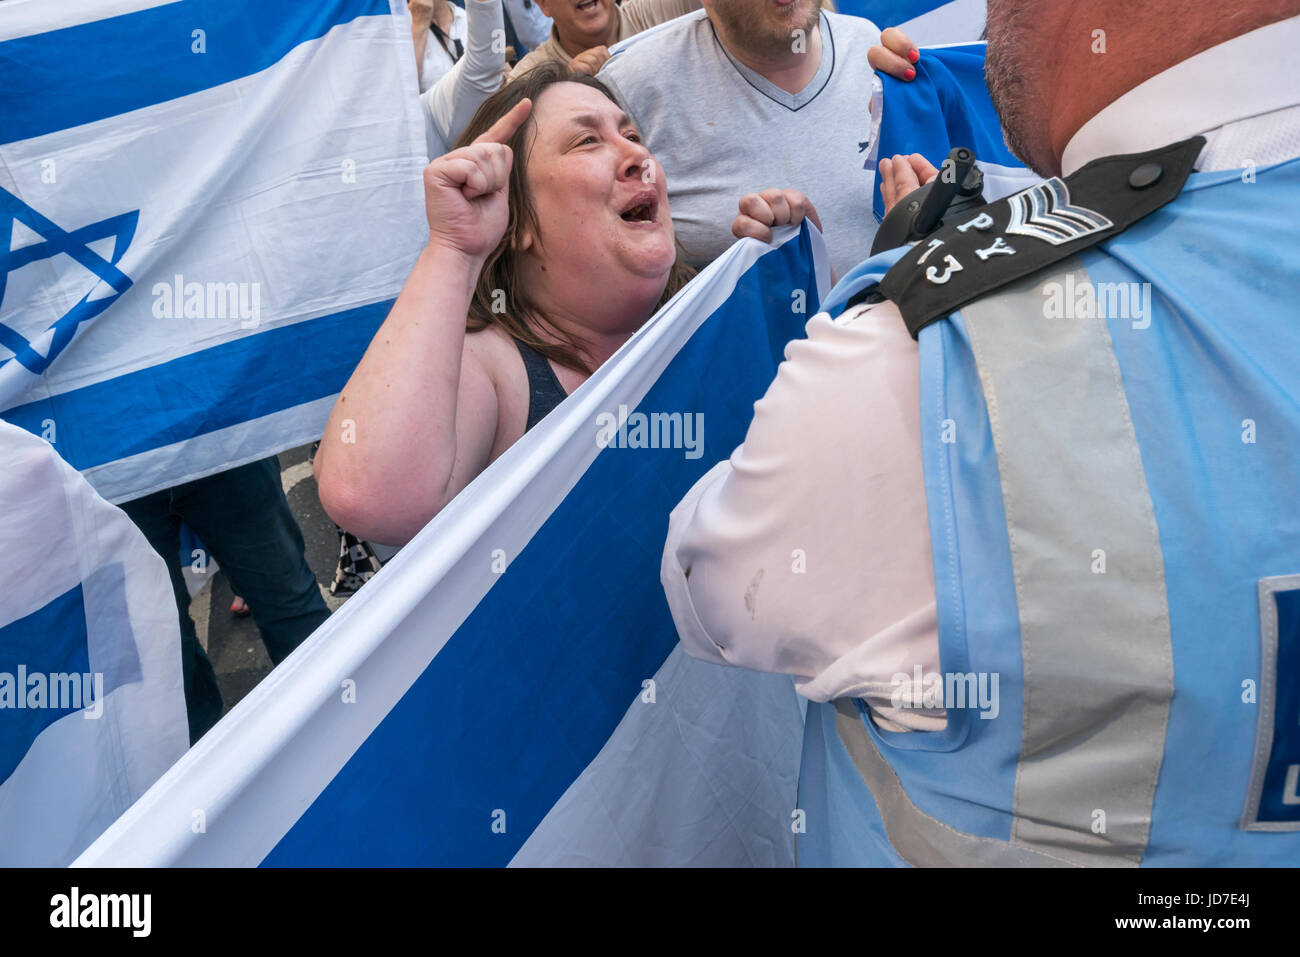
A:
(499, 277)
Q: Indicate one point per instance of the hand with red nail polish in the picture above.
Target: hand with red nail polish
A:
(894, 53)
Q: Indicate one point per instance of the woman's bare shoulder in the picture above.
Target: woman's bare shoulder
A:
(497, 355)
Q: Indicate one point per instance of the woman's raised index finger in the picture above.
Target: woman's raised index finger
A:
(506, 127)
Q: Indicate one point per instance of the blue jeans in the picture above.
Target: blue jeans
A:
(244, 521)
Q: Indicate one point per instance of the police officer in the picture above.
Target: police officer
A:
(1021, 523)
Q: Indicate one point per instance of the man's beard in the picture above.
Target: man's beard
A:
(1009, 71)
(756, 34)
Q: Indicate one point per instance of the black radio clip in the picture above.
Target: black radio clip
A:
(958, 188)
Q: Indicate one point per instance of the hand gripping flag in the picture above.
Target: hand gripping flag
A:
(206, 208)
(92, 709)
(509, 688)
(945, 106)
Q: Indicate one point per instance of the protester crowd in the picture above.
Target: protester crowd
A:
(588, 158)
(642, 174)
(646, 165)
(635, 142)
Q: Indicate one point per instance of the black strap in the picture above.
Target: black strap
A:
(442, 42)
(544, 389)
(993, 245)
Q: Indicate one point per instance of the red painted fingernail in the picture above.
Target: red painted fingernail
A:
(914, 55)
(909, 73)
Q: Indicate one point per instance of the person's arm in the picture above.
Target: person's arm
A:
(485, 46)
(421, 20)
(808, 552)
(417, 420)
(452, 101)
(531, 25)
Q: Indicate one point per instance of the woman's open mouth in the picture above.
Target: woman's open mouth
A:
(587, 6)
(641, 210)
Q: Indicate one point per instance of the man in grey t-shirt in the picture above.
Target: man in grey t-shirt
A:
(744, 96)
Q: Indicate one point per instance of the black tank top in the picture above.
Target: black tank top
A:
(544, 390)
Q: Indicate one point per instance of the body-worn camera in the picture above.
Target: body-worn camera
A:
(958, 187)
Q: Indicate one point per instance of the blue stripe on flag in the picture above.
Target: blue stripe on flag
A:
(52, 640)
(65, 78)
(208, 390)
(524, 695)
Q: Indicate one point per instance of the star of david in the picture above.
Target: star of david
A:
(77, 245)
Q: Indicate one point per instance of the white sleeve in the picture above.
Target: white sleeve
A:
(694, 637)
(531, 25)
(808, 552)
(450, 103)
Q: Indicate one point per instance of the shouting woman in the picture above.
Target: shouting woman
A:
(550, 244)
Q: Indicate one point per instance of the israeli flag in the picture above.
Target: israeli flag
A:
(92, 709)
(510, 689)
(925, 21)
(206, 209)
(946, 105)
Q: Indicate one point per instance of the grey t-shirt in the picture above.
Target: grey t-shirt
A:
(720, 130)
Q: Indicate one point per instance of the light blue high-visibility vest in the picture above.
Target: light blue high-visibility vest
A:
(1112, 473)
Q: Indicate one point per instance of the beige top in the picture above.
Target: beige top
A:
(633, 17)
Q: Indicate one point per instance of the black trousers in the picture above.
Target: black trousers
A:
(244, 521)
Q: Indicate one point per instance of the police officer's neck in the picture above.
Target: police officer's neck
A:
(1093, 65)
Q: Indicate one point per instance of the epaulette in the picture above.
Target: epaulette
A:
(993, 245)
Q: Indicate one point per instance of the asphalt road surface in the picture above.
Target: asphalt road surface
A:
(234, 644)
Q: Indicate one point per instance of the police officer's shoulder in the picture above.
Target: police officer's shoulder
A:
(987, 248)
(867, 310)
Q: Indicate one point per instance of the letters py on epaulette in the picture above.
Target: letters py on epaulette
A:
(993, 245)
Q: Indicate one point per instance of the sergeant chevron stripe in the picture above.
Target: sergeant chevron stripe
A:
(983, 253)
(1044, 212)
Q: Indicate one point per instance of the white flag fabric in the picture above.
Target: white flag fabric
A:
(206, 209)
(927, 22)
(92, 708)
(510, 688)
